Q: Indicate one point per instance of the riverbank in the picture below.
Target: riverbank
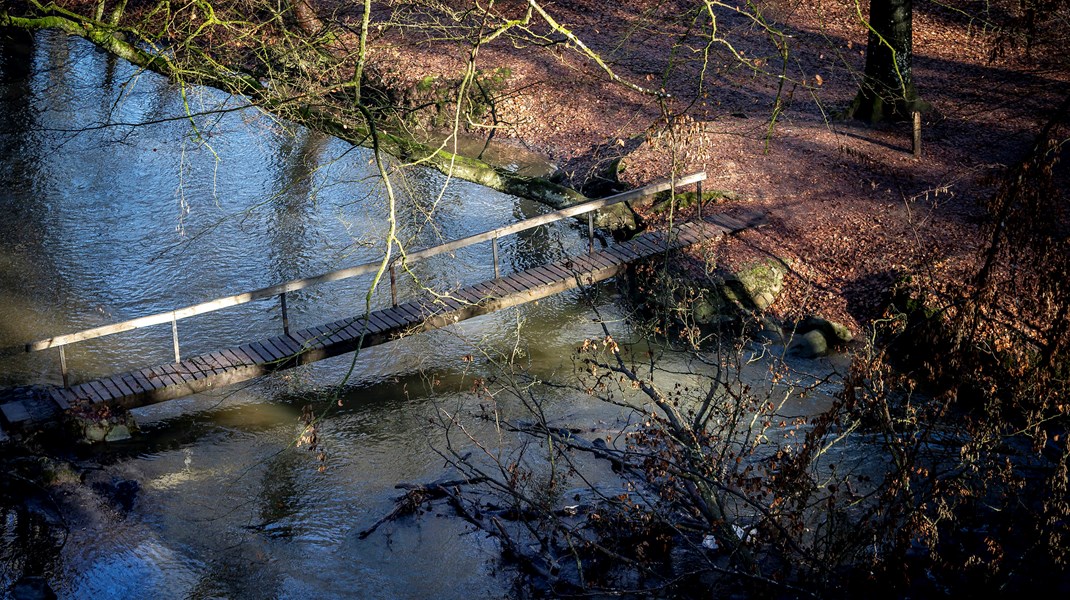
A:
(851, 211)
(629, 95)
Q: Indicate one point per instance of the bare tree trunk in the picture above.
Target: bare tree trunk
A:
(887, 90)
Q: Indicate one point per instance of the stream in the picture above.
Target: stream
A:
(124, 195)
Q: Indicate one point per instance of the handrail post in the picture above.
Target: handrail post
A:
(174, 337)
(63, 366)
(393, 285)
(370, 267)
(494, 254)
(698, 193)
(590, 232)
(285, 315)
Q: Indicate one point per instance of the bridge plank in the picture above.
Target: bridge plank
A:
(355, 328)
(124, 389)
(390, 317)
(239, 363)
(325, 334)
(511, 285)
(554, 274)
(453, 301)
(540, 275)
(58, 397)
(97, 392)
(381, 325)
(338, 333)
(258, 352)
(280, 349)
(166, 377)
(113, 388)
(275, 354)
(286, 345)
(198, 365)
(135, 386)
(149, 377)
(467, 294)
(306, 338)
(410, 312)
(63, 397)
(237, 357)
(182, 373)
(217, 361)
(15, 412)
(559, 273)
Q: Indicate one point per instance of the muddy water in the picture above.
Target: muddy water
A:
(121, 198)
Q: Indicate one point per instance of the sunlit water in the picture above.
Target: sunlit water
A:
(116, 205)
(123, 196)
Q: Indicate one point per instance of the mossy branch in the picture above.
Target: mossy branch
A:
(310, 109)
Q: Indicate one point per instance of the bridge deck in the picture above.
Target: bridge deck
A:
(240, 363)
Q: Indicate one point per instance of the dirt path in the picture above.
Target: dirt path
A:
(851, 210)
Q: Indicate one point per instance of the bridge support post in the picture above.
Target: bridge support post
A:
(590, 233)
(285, 315)
(393, 286)
(174, 337)
(63, 366)
(494, 254)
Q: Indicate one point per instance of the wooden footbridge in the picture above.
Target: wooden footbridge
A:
(429, 311)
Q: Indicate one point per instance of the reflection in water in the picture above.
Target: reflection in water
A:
(114, 222)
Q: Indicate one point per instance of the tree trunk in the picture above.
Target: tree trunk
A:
(887, 90)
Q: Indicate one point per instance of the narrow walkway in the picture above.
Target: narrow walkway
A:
(244, 362)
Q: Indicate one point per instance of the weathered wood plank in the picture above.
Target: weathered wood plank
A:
(113, 389)
(280, 344)
(540, 275)
(238, 358)
(511, 285)
(243, 362)
(135, 386)
(388, 316)
(273, 354)
(410, 312)
(62, 397)
(15, 412)
(101, 393)
(152, 378)
(124, 389)
(286, 344)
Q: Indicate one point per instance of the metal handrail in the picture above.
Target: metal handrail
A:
(173, 316)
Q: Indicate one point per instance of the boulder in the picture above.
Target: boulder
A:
(101, 424)
(762, 282)
(32, 588)
(811, 344)
(834, 333)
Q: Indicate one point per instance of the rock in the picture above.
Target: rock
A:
(833, 332)
(58, 472)
(32, 588)
(769, 330)
(96, 424)
(121, 493)
(708, 309)
(118, 433)
(95, 432)
(763, 281)
(811, 344)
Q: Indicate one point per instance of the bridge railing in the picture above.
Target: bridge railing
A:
(280, 290)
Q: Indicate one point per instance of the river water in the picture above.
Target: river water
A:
(123, 195)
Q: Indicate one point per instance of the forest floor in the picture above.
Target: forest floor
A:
(850, 209)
